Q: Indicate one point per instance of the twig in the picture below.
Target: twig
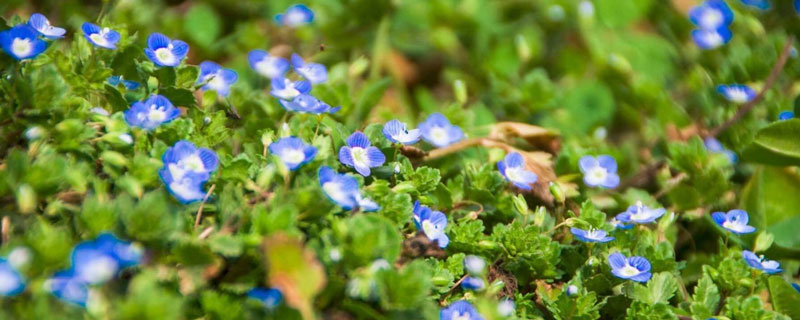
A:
(6, 228)
(453, 288)
(463, 144)
(773, 76)
(205, 233)
(200, 210)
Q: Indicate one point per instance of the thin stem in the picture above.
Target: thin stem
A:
(773, 76)
(200, 210)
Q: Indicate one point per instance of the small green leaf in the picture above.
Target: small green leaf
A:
(785, 299)
(777, 144)
(202, 24)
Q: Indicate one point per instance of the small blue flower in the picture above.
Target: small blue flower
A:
(711, 39)
(432, 223)
(342, 189)
(758, 262)
(711, 15)
(758, 4)
(295, 16)
(797, 6)
(640, 214)
(293, 152)
(438, 131)
(128, 84)
(165, 52)
(734, 221)
(786, 115)
(186, 169)
(11, 281)
(151, 113)
(269, 297)
(22, 42)
(285, 89)
(126, 253)
(66, 286)
(216, 77)
(714, 146)
(795, 285)
(633, 268)
(94, 263)
(591, 235)
(513, 169)
(40, 23)
(737, 93)
(306, 103)
(600, 171)
(360, 154)
(396, 132)
(101, 37)
(460, 310)
(473, 283)
(267, 65)
(475, 265)
(572, 290)
(313, 72)
(506, 307)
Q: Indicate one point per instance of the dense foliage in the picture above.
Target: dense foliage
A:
(397, 159)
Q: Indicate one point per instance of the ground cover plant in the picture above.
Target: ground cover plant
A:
(395, 159)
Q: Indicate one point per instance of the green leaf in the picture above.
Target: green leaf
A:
(368, 98)
(166, 77)
(202, 24)
(705, 299)
(179, 97)
(785, 299)
(295, 271)
(764, 198)
(660, 288)
(777, 144)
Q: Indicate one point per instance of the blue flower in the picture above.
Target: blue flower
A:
(165, 52)
(513, 169)
(267, 65)
(216, 77)
(126, 253)
(151, 113)
(473, 283)
(66, 286)
(342, 189)
(97, 261)
(591, 235)
(438, 131)
(285, 89)
(797, 6)
(101, 37)
(186, 169)
(460, 310)
(734, 221)
(711, 15)
(711, 39)
(432, 223)
(714, 146)
(128, 84)
(313, 72)
(633, 268)
(295, 16)
(40, 23)
(506, 307)
(758, 4)
(305, 103)
(11, 281)
(396, 132)
(572, 290)
(786, 115)
(600, 171)
(359, 154)
(293, 152)
(22, 42)
(737, 93)
(795, 285)
(640, 214)
(475, 265)
(269, 297)
(758, 262)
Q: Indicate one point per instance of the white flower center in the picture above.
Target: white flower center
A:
(185, 190)
(430, 229)
(713, 39)
(99, 269)
(711, 18)
(266, 67)
(193, 163)
(22, 47)
(156, 114)
(629, 271)
(165, 55)
(99, 39)
(216, 82)
(439, 136)
(460, 316)
(334, 190)
(359, 156)
(595, 234)
(293, 156)
(737, 95)
(515, 174)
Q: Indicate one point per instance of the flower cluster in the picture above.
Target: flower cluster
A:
(436, 130)
(293, 95)
(712, 19)
(93, 263)
(186, 169)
